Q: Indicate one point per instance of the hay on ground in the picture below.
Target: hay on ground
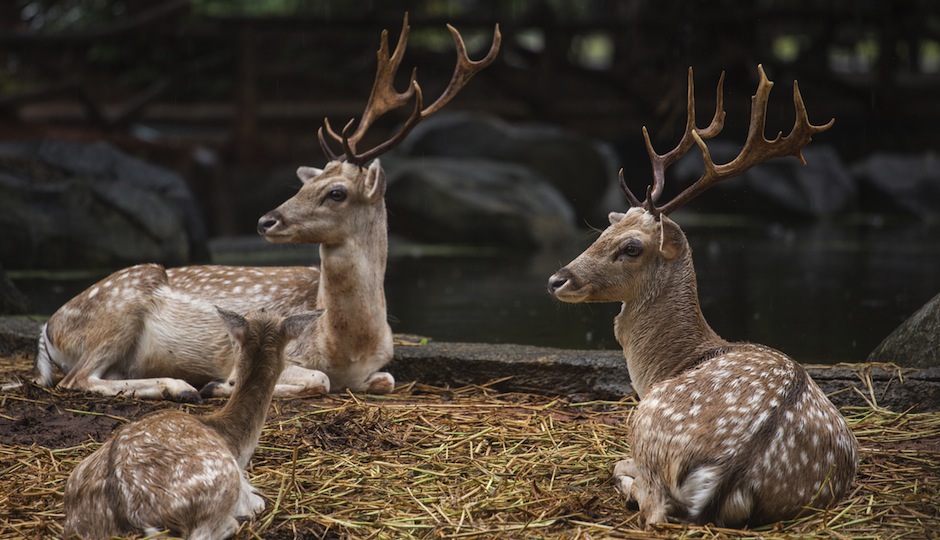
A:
(430, 462)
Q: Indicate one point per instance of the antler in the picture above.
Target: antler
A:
(385, 98)
(756, 147)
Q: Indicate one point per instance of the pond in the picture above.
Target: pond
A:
(825, 293)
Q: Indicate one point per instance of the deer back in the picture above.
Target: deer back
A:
(744, 437)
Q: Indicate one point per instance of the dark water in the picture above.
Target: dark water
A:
(823, 294)
(826, 293)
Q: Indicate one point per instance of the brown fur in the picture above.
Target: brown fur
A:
(153, 333)
(729, 433)
(171, 470)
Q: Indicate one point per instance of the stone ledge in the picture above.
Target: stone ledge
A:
(583, 374)
(592, 374)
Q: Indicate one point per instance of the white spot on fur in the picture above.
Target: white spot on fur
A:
(698, 489)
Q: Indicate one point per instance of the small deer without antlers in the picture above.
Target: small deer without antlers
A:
(182, 472)
(136, 331)
(728, 433)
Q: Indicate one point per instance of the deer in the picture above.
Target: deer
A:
(730, 433)
(129, 333)
(181, 472)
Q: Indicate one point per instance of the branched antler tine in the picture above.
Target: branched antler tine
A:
(384, 97)
(626, 191)
(326, 147)
(802, 121)
(329, 131)
(349, 147)
(756, 148)
(406, 128)
(656, 161)
(464, 70)
(662, 162)
(718, 121)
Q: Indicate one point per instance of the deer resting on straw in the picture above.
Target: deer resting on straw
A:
(152, 332)
(182, 472)
(726, 433)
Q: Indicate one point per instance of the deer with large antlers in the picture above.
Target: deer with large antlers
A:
(132, 331)
(726, 433)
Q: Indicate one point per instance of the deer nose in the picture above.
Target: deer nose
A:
(268, 222)
(556, 282)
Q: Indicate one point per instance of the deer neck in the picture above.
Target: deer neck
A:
(352, 289)
(664, 333)
(241, 419)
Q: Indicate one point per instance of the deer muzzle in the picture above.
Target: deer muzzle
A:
(564, 286)
(269, 222)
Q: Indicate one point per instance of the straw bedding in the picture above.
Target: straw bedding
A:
(429, 462)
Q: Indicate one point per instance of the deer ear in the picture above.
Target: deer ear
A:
(615, 217)
(294, 325)
(237, 325)
(672, 239)
(375, 182)
(308, 173)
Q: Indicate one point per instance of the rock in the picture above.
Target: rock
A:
(592, 374)
(582, 169)
(898, 183)
(12, 301)
(466, 200)
(579, 374)
(916, 343)
(18, 336)
(69, 205)
(823, 187)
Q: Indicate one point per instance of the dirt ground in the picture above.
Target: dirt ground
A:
(444, 463)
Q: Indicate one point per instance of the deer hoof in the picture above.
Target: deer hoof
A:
(624, 475)
(380, 382)
(189, 396)
(208, 391)
(218, 388)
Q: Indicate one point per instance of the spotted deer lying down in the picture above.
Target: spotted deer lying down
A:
(133, 332)
(182, 472)
(725, 433)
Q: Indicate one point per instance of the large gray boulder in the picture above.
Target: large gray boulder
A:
(916, 343)
(580, 168)
(821, 188)
(69, 205)
(475, 201)
(898, 183)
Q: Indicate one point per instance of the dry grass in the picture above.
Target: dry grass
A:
(454, 463)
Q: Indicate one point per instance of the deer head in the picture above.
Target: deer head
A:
(643, 252)
(323, 211)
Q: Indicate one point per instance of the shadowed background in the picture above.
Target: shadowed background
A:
(142, 131)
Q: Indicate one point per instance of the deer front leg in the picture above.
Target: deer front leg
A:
(157, 388)
(380, 382)
(294, 381)
(87, 375)
(624, 477)
(297, 381)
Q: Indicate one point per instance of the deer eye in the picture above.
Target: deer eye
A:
(632, 249)
(337, 194)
